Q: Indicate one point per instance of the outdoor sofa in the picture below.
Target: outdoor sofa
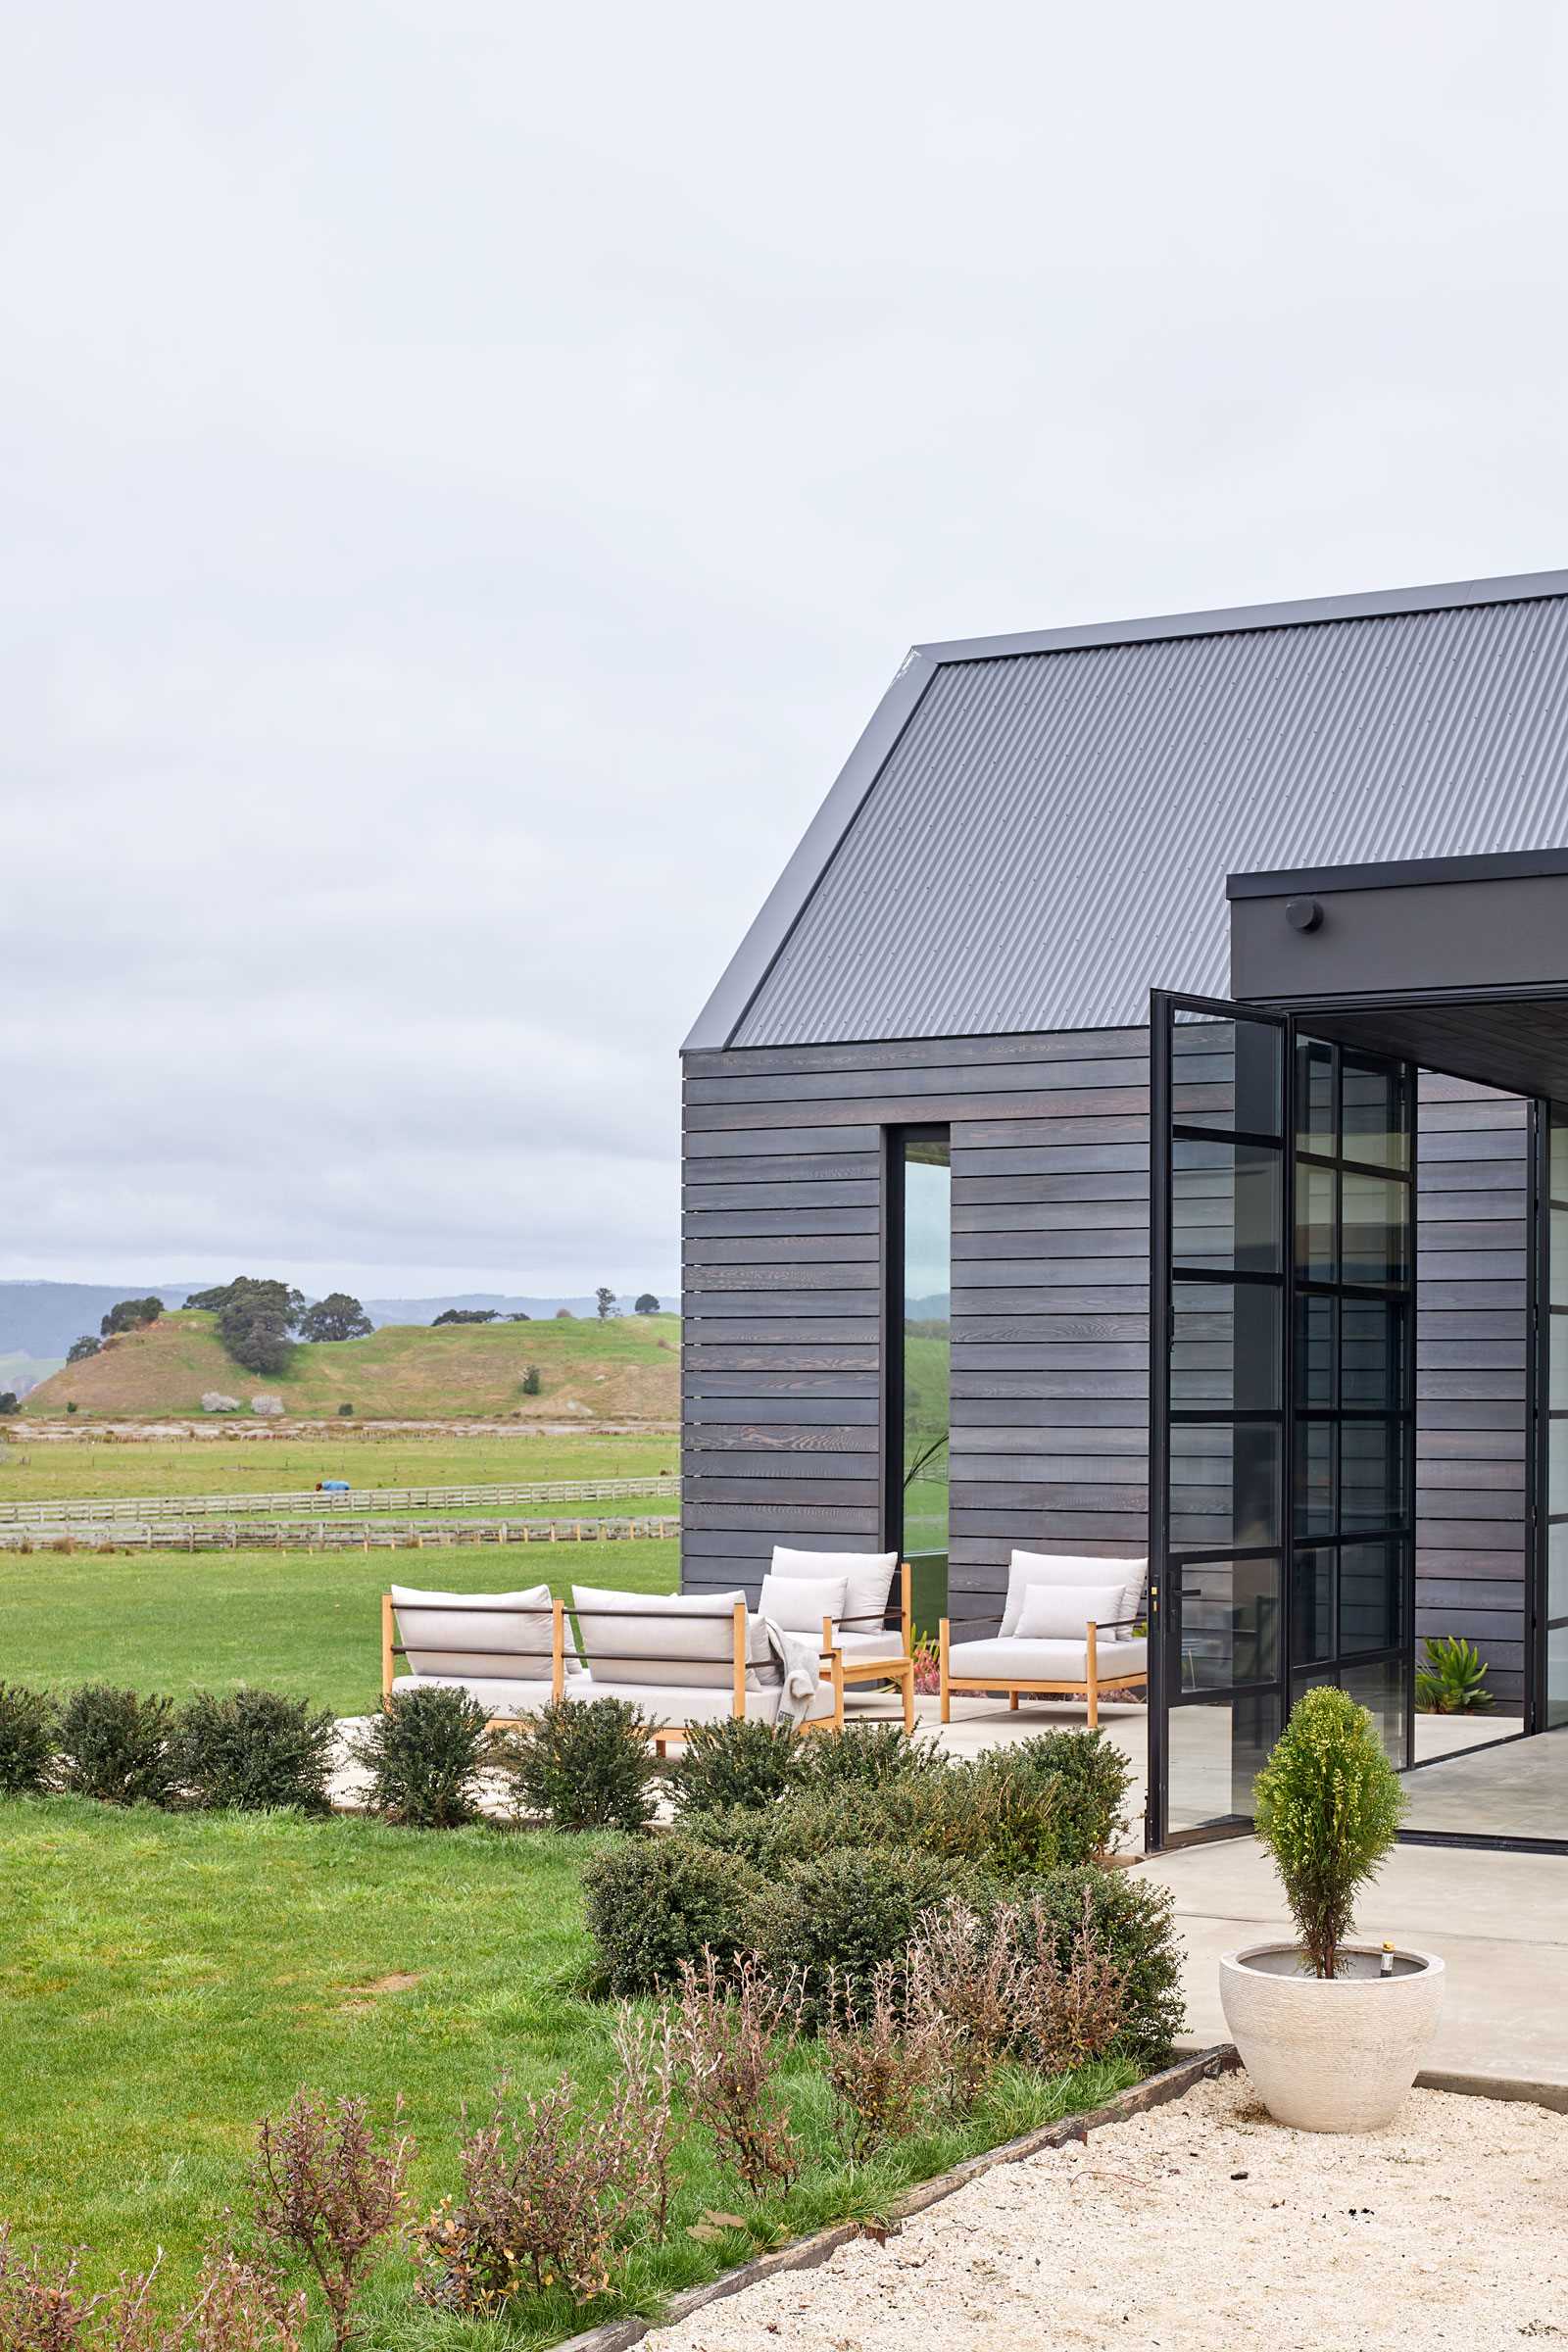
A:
(684, 1658)
(1072, 1627)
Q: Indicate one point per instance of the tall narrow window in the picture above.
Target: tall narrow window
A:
(920, 1270)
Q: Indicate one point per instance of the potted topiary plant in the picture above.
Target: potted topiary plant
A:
(1331, 2033)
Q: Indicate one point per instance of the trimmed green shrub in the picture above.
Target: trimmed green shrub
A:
(118, 1746)
(867, 1755)
(983, 1813)
(837, 1919)
(657, 1901)
(253, 1751)
(587, 1767)
(1089, 1777)
(29, 1728)
(424, 1753)
(1328, 1804)
(739, 1762)
(760, 1835)
(1134, 1925)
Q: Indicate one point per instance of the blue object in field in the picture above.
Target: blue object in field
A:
(335, 1486)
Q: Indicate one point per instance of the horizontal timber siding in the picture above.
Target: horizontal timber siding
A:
(783, 1215)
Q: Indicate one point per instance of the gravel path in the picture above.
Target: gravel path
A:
(1202, 2227)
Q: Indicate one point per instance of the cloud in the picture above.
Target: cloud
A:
(467, 479)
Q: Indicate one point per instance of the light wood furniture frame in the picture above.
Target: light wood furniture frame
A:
(1089, 1687)
(897, 1668)
(832, 1657)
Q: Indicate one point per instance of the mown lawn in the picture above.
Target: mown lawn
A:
(304, 1623)
(95, 1469)
(166, 1979)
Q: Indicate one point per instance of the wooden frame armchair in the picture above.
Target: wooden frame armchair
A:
(999, 1673)
(895, 1666)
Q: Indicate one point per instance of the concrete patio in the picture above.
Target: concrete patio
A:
(1498, 1920)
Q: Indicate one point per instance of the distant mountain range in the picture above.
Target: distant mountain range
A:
(39, 1321)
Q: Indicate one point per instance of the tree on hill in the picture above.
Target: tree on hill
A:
(647, 1305)
(564, 1314)
(79, 1350)
(132, 1314)
(469, 1314)
(9, 1401)
(337, 1317)
(265, 1295)
(255, 1318)
(605, 1300)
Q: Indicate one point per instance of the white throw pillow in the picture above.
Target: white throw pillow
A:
(1028, 1568)
(797, 1604)
(510, 1632)
(867, 1575)
(1061, 1612)
(686, 1639)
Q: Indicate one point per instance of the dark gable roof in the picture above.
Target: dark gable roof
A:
(1035, 831)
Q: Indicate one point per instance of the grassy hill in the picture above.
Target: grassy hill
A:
(626, 1369)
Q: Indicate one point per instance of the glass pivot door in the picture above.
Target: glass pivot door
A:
(1282, 1442)
(1217, 1407)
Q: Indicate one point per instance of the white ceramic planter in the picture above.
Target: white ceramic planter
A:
(1330, 2054)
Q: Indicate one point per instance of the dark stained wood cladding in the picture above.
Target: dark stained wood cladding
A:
(783, 1219)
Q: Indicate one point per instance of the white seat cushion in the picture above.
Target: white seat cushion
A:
(496, 1695)
(663, 1638)
(1028, 1568)
(1063, 1612)
(684, 1702)
(797, 1604)
(867, 1575)
(1018, 1661)
(510, 1633)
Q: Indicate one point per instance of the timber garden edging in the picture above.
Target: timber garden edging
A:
(808, 2253)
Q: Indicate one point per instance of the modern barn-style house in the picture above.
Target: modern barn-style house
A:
(1131, 1127)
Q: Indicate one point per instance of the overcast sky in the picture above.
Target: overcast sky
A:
(471, 468)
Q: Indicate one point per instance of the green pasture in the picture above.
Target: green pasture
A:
(305, 1623)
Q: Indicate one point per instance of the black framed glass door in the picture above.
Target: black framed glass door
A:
(1219, 1432)
(1553, 1428)
(1282, 1397)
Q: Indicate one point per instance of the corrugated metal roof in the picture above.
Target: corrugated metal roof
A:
(1049, 834)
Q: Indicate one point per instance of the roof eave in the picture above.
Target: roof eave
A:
(1378, 603)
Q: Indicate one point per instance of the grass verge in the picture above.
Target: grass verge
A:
(167, 1979)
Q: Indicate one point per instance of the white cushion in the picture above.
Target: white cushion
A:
(497, 1696)
(1000, 1662)
(685, 1638)
(1028, 1568)
(683, 1704)
(502, 1636)
(1063, 1612)
(868, 1577)
(797, 1604)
